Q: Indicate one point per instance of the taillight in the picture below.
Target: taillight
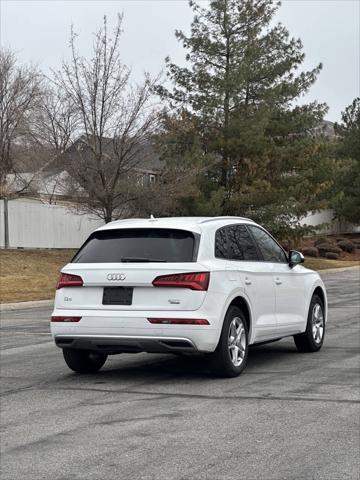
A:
(179, 321)
(65, 319)
(67, 280)
(194, 281)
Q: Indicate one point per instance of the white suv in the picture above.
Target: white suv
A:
(193, 285)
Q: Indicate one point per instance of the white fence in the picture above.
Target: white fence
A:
(331, 225)
(34, 224)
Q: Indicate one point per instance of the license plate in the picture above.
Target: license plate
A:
(117, 296)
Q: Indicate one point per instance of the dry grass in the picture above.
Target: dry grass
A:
(30, 274)
(324, 263)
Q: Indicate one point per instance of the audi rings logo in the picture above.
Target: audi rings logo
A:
(116, 276)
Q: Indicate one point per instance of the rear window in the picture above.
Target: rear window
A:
(138, 245)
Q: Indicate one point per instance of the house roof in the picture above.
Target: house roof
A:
(41, 183)
(146, 160)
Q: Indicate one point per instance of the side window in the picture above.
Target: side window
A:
(269, 248)
(235, 243)
(221, 244)
(241, 245)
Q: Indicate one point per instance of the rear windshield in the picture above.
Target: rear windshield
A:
(138, 245)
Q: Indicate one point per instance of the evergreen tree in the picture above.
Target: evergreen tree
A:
(239, 87)
(346, 200)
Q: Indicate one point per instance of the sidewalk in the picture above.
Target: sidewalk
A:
(342, 269)
(5, 307)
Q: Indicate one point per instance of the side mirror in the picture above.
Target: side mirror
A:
(295, 258)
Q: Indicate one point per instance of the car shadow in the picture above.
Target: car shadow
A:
(162, 368)
(271, 354)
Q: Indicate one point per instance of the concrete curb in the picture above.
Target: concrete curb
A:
(342, 269)
(5, 307)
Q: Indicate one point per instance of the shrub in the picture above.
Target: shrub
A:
(287, 245)
(325, 248)
(332, 256)
(310, 251)
(321, 240)
(346, 245)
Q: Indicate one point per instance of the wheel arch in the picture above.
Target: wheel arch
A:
(240, 302)
(318, 290)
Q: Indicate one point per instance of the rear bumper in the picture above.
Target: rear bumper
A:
(129, 331)
(126, 344)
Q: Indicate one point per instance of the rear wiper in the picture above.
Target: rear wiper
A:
(140, 260)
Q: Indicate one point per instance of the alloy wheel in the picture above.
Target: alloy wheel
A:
(317, 322)
(237, 341)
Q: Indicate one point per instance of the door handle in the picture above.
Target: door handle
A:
(247, 281)
(278, 281)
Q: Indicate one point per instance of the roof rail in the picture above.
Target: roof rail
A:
(214, 219)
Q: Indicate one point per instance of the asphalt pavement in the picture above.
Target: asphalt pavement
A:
(288, 416)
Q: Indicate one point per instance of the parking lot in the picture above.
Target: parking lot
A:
(289, 416)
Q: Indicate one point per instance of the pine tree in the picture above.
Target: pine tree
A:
(346, 201)
(240, 86)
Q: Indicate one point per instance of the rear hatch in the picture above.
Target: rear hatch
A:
(118, 268)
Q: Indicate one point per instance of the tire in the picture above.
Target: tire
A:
(83, 361)
(313, 337)
(230, 360)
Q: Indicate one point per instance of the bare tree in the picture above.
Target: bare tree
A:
(20, 90)
(54, 130)
(116, 120)
(184, 163)
(55, 123)
(175, 182)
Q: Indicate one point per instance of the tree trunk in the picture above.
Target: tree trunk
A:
(225, 154)
(108, 214)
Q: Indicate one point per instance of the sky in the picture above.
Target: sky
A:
(38, 30)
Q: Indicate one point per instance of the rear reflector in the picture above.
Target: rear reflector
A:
(194, 281)
(65, 319)
(67, 280)
(179, 321)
